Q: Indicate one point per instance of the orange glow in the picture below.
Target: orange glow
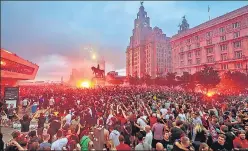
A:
(3, 63)
(84, 84)
(94, 57)
(210, 94)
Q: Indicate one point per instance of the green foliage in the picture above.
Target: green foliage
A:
(208, 78)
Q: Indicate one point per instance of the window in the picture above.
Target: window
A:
(198, 69)
(224, 66)
(189, 55)
(238, 65)
(236, 34)
(198, 45)
(209, 50)
(189, 62)
(209, 34)
(238, 54)
(189, 70)
(188, 41)
(223, 57)
(236, 25)
(237, 44)
(181, 63)
(181, 56)
(196, 37)
(189, 47)
(181, 49)
(198, 61)
(209, 42)
(222, 29)
(210, 59)
(223, 47)
(222, 38)
(197, 53)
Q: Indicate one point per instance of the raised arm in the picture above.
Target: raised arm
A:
(123, 113)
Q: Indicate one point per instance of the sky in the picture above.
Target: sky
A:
(61, 35)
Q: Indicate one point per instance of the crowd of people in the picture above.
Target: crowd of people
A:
(130, 118)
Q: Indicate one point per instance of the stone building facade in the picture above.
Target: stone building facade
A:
(149, 49)
(221, 43)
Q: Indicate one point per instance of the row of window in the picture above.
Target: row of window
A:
(221, 30)
(223, 67)
(210, 59)
(236, 44)
(210, 50)
(236, 66)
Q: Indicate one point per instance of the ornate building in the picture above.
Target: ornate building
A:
(149, 49)
(221, 43)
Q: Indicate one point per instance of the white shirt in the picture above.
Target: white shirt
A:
(164, 112)
(141, 122)
(59, 144)
(148, 138)
(68, 119)
(114, 136)
(182, 117)
(51, 101)
(109, 122)
(25, 102)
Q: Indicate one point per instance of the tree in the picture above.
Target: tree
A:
(208, 78)
(147, 79)
(171, 79)
(235, 81)
(186, 81)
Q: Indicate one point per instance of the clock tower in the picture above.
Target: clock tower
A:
(142, 20)
(141, 25)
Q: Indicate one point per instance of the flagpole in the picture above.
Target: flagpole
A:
(208, 12)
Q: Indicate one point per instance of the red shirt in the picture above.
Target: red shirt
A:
(123, 146)
(238, 143)
(153, 120)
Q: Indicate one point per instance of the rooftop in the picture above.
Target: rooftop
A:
(213, 22)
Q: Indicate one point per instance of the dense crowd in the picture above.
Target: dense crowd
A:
(129, 118)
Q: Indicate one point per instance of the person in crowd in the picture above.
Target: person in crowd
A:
(160, 147)
(114, 135)
(142, 145)
(25, 122)
(183, 144)
(240, 142)
(131, 112)
(220, 144)
(45, 144)
(122, 145)
(149, 135)
(204, 147)
(86, 142)
(230, 136)
(141, 123)
(60, 142)
(166, 141)
(158, 131)
(176, 131)
(41, 120)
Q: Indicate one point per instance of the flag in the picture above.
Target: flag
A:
(208, 8)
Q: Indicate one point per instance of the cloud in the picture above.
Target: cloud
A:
(54, 34)
(121, 72)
